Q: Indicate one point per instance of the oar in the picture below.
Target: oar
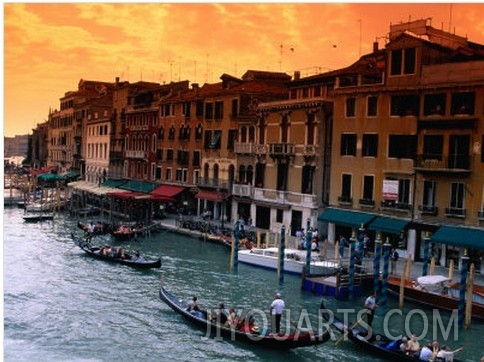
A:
(350, 329)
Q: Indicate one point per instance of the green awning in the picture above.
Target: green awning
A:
(388, 225)
(113, 183)
(346, 217)
(460, 236)
(50, 177)
(139, 186)
(71, 175)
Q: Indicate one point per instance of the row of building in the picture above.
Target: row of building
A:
(391, 144)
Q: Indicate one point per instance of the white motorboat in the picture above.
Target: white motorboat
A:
(294, 261)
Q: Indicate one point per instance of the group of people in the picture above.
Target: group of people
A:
(429, 352)
(362, 246)
(246, 324)
(302, 242)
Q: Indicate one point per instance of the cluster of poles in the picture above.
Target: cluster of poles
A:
(380, 278)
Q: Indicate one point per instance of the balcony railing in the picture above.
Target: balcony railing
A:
(136, 154)
(455, 212)
(116, 155)
(367, 203)
(441, 163)
(282, 149)
(428, 209)
(244, 148)
(214, 183)
(261, 149)
(243, 190)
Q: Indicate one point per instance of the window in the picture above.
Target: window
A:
(350, 106)
(305, 92)
(196, 158)
(260, 174)
(209, 110)
(171, 133)
(404, 193)
(279, 215)
(219, 110)
(235, 107)
(183, 157)
(159, 172)
(232, 139)
(345, 188)
(307, 179)
(433, 147)
(402, 146)
(169, 154)
(216, 141)
(368, 182)
(168, 174)
(159, 154)
(403, 61)
(186, 109)
(370, 145)
(310, 129)
(153, 170)
(317, 91)
(434, 104)
(456, 201)
(372, 106)
(199, 133)
(459, 151)
(282, 169)
(428, 200)
(207, 139)
(463, 103)
(348, 144)
(404, 105)
(293, 94)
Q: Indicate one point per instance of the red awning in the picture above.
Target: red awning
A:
(212, 196)
(168, 191)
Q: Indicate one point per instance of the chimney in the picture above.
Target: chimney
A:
(375, 46)
(297, 75)
(117, 81)
(194, 86)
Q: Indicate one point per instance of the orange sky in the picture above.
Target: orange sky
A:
(48, 48)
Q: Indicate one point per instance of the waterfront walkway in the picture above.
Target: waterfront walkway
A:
(172, 222)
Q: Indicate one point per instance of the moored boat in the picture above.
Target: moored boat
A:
(294, 261)
(116, 255)
(263, 339)
(37, 217)
(433, 291)
(127, 231)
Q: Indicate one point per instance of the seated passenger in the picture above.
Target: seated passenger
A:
(413, 346)
(193, 305)
(426, 352)
(221, 315)
(248, 326)
(232, 319)
(403, 345)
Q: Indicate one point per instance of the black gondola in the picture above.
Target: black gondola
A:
(263, 339)
(375, 343)
(96, 252)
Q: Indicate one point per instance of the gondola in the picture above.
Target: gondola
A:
(375, 343)
(263, 339)
(130, 260)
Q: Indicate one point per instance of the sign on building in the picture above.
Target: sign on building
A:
(390, 190)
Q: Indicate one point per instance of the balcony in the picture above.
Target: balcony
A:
(242, 190)
(277, 150)
(455, 212)
(395, 206)
(448, 164)
(136, 154)
(428, 210)
(213, 183)
(261, 150)
(244, 148)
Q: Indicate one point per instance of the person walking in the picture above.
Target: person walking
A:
(276, 309)
(394, 259)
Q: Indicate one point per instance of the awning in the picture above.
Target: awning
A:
(459, 236)
(138, 186)
(71, 175)
(113, 183)
(388, 225)
(212, 196)
(346, 217)
(167, 190)
(50, 177)
(94, 188)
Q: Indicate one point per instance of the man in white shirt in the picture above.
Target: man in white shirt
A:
(277, 307)
(371, 305)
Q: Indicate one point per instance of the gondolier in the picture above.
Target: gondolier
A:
(371, 305)
(276, 310)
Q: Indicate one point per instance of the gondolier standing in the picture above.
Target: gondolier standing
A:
(371, 305)
(277, 307)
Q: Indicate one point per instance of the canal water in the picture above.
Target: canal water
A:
(61, 305)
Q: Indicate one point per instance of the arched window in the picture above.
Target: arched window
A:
(205, 171)
(241, 173)
(243, 135)
(153, 143)
(215, 173)
(251, 134)
(249, 175)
